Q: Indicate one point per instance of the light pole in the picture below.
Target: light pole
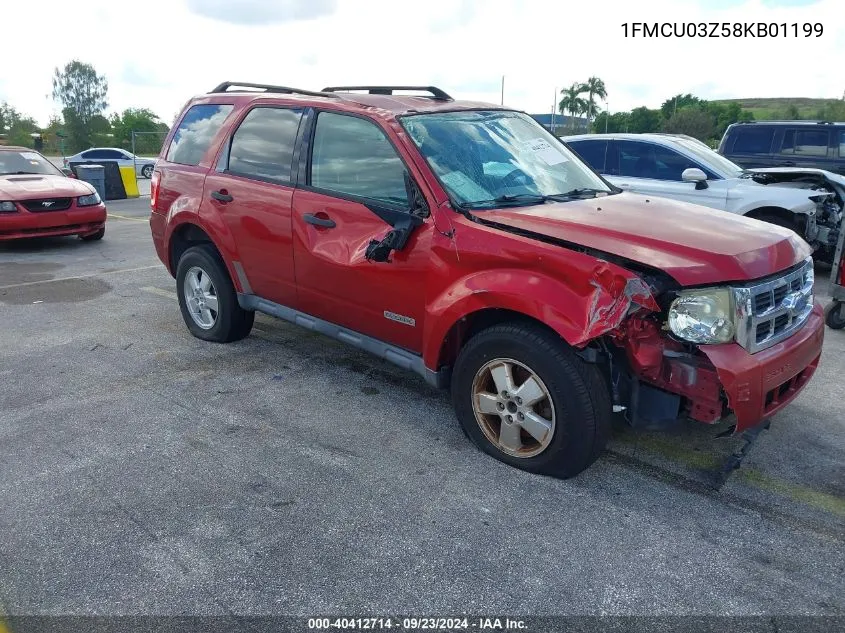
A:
(606, 115)
(503, 90)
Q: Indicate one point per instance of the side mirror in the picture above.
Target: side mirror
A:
(694, 174)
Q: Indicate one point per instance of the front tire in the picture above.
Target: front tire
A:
(523, 396)
(834, 315)
(93, 237)
(207, 297)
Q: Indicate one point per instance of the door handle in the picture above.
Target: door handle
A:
(221, 196)
(788, 163)
(318, 221)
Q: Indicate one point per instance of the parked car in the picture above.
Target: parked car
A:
(143, 166)
(672, 166)
(813, 144)
(464, 242)
(37, 199)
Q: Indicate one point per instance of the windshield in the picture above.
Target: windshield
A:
(489, 158)
(25, 162)
(711, 159)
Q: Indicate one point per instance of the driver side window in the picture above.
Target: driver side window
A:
(353, 157)
(646, 160)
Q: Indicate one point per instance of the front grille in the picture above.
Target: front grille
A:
(773, 310)
(47, 204)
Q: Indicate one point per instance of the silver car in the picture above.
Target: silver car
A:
(143, 166)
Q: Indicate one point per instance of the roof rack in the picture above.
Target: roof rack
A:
(436, 93)
(224, 87)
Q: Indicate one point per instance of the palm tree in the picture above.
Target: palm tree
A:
(572, 102)
(594, 87)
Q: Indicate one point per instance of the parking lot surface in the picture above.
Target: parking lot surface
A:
(145, 471)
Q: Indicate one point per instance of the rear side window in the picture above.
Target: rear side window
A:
(352, 156)
(593, 153)
(842, 144)
(197, 129)
(805, 142)
(753, 140)
(262, 146)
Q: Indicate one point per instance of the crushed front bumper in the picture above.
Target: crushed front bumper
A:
(759, 385)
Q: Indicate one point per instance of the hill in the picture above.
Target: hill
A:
(776, 108)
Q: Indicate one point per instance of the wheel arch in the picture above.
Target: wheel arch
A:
(576, 311)
(190, 233)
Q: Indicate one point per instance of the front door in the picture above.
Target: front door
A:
(654, 170)
(355, 193)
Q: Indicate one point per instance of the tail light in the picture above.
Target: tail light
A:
(154, 183)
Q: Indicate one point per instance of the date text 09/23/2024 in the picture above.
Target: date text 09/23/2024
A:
(722, 29)
(462, 623)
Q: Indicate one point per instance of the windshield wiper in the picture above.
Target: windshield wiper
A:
(517, 200)
(21, 173)
(576, 193)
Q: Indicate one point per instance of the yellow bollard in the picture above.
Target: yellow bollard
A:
(130, 182)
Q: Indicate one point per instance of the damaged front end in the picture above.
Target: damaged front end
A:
(746, 372)
(822, 228)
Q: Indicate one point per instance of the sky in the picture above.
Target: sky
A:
(158, 53)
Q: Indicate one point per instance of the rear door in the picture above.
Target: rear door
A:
(355, 192)
(250, 190)
(807, 146)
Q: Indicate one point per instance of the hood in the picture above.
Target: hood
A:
(694, 244)
(799, 171)
(29, 186)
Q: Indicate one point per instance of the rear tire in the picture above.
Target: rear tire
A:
(834, 315)
(147, 171)
(574, 413)
(207, 297)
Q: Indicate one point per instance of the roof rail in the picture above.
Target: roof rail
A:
(435, 92)
(789, 121)
(224, 87)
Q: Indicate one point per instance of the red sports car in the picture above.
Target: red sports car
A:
(37, 199)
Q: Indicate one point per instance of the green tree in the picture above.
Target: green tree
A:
(595, 88)
(153, 131)
(16, 127)
(676, 103)
(83, 94)
(616, 122)
(572, 102)
(644, 119)
(692, 121)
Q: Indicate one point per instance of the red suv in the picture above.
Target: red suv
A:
(464, 242)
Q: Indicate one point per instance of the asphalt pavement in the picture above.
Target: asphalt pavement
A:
(145, 471)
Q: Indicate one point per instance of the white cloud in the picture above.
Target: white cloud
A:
(161, 52)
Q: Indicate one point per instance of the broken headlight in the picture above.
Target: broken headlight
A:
(703, 316)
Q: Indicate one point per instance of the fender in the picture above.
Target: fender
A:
(183, 214)
(594, 300)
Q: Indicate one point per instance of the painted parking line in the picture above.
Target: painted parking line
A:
(75, 277)
(126, 217)
(161, 292)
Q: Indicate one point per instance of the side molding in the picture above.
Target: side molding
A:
(396, 355)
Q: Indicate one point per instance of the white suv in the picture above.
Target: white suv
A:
(672, 166)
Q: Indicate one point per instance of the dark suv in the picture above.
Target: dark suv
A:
(816, 144)
(464, 242)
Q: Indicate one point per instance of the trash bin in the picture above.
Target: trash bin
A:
(94, 174)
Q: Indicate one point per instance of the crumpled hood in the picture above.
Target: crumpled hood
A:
(29, 186)
(695, 245)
